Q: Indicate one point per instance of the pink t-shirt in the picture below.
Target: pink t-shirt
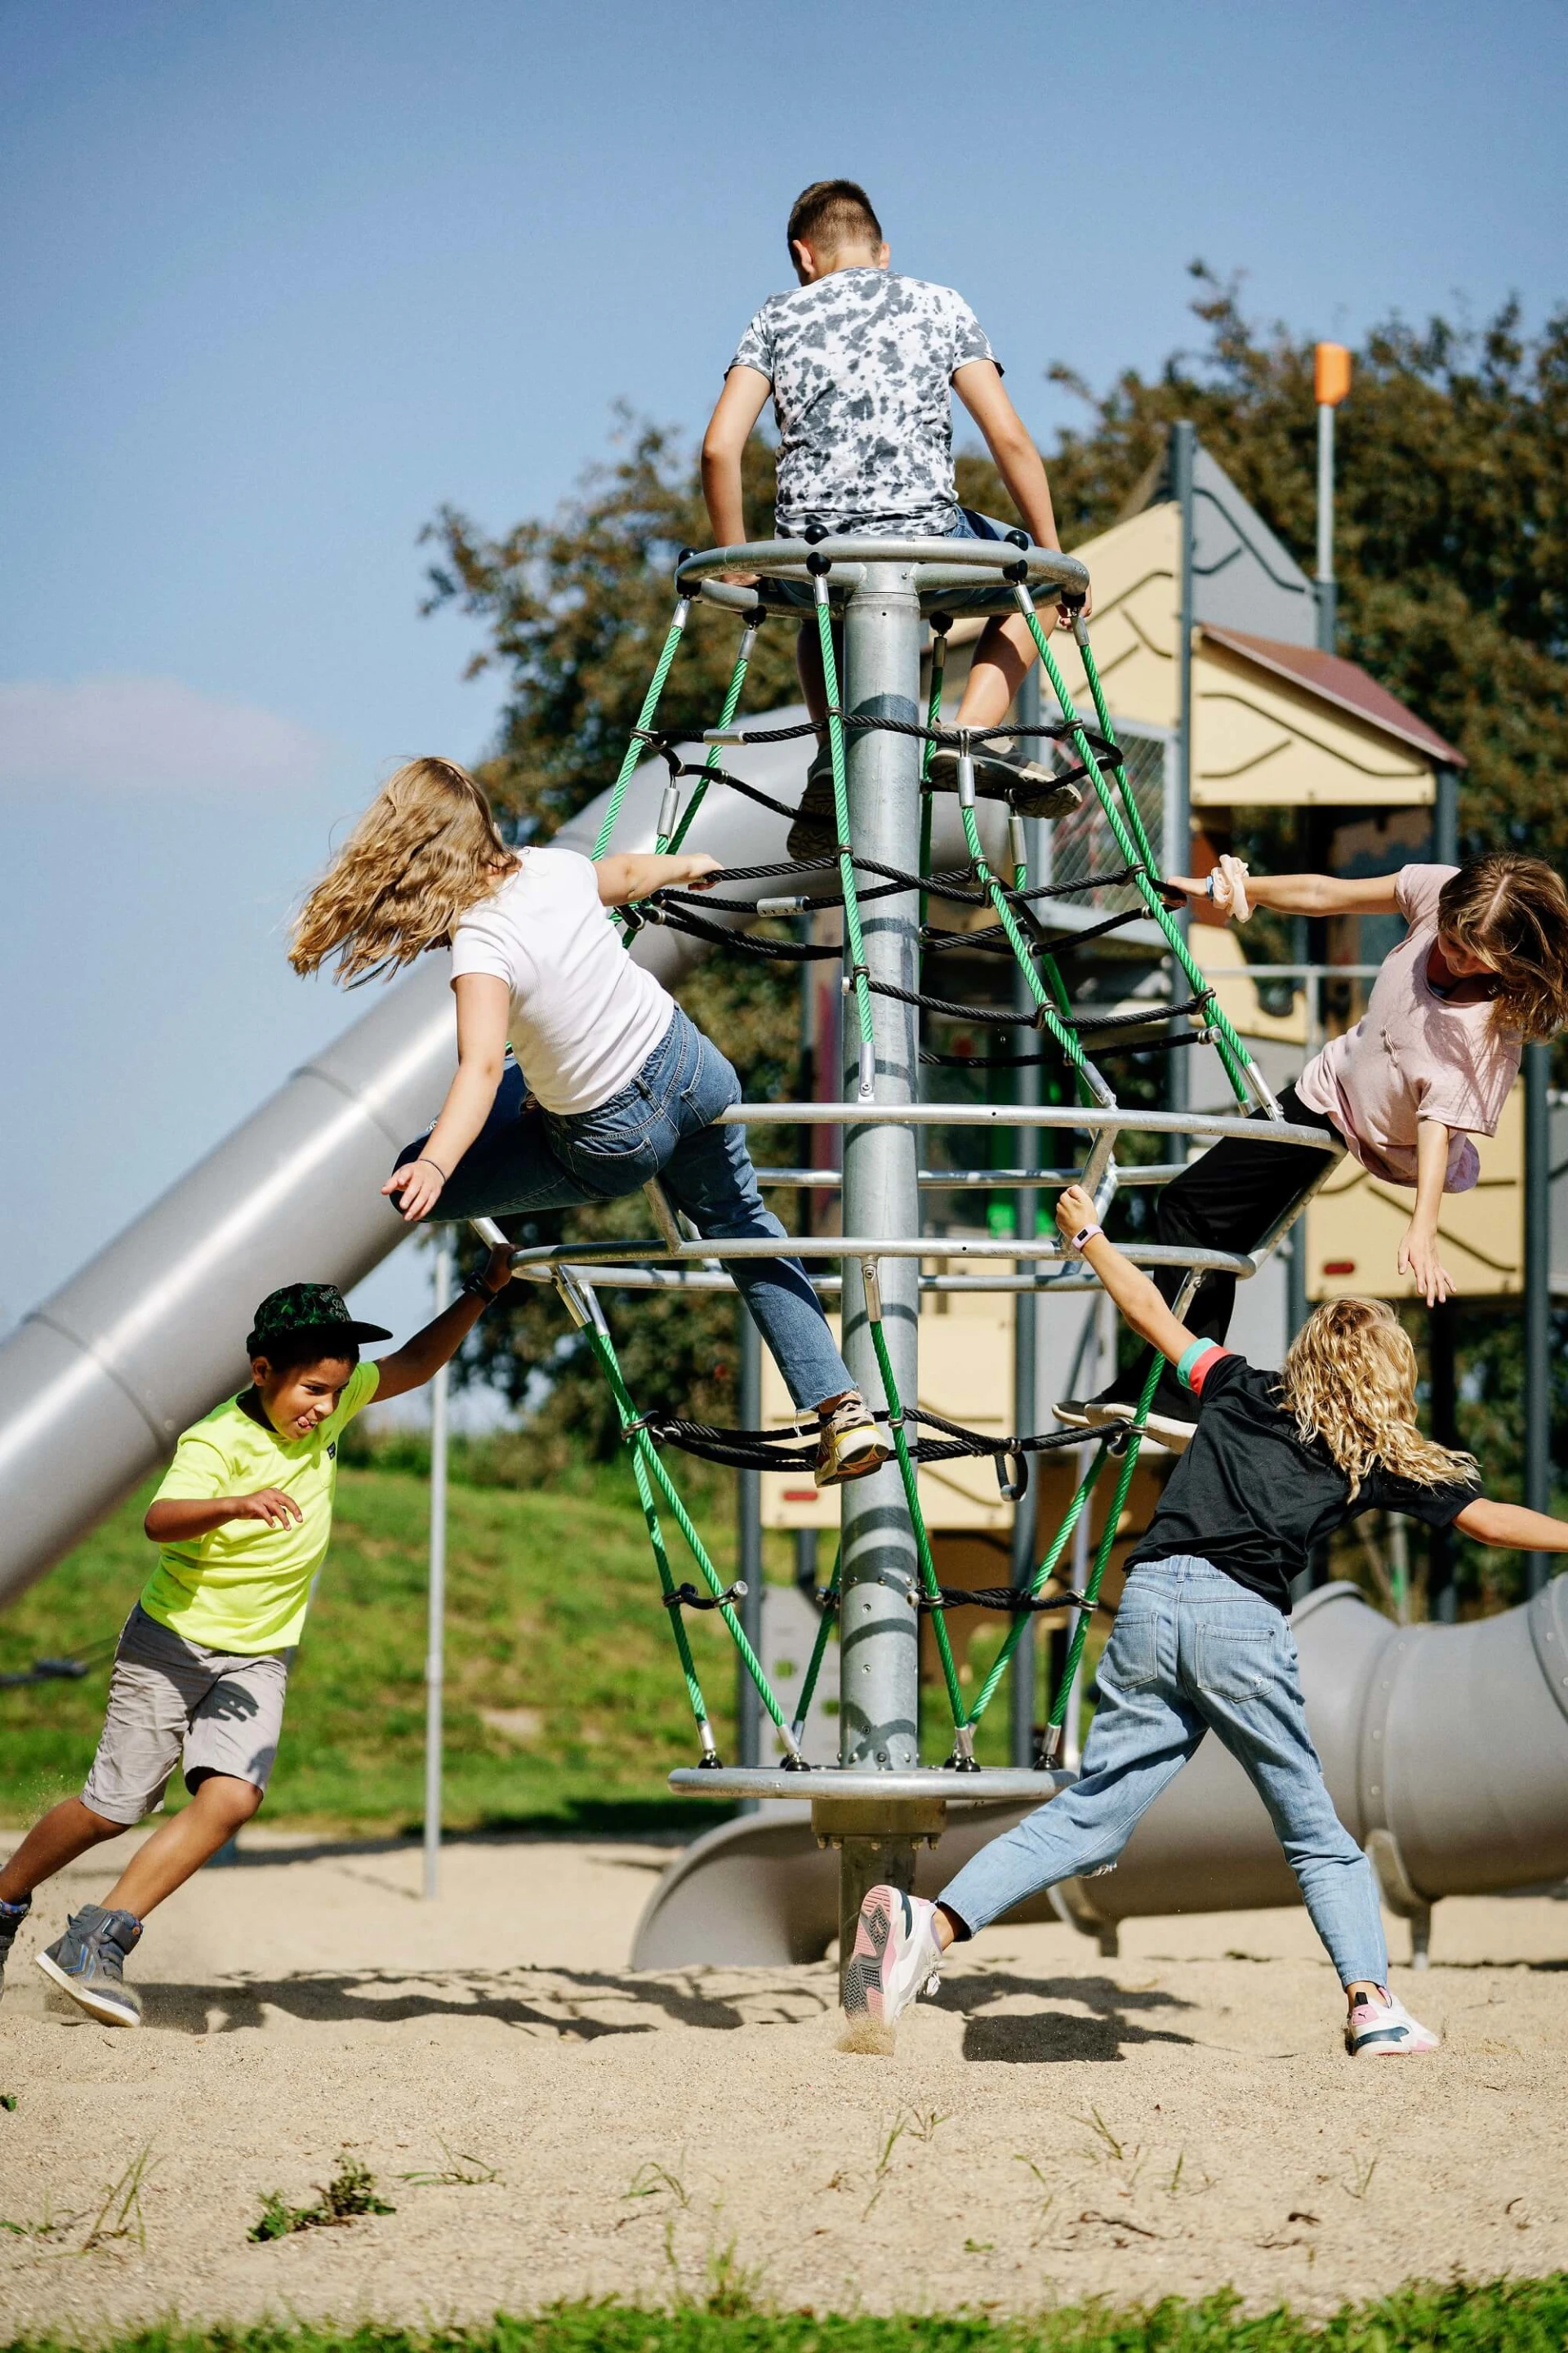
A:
(1412, 1057)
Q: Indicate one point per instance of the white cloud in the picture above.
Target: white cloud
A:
(145, 735)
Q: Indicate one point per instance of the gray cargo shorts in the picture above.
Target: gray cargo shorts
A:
(167, 1694)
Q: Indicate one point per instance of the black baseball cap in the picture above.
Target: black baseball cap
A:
(308, 1307)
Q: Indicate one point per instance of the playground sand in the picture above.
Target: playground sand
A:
(1055, 2126)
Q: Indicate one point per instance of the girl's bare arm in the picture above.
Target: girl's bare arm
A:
(484, 1004)
(1238, 890)
(1137, 1300)
(1418, 1254)
(637, 874)
(1512, 1528)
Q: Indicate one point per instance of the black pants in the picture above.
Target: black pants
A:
(1228, 1201)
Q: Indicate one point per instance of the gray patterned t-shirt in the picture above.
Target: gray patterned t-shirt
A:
(861, 363)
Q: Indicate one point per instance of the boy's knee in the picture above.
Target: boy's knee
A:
(226, 1796)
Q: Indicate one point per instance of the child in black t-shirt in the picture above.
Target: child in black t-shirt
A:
(1277, 1462)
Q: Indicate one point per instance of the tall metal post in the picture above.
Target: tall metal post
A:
(436, 1605)
(1536, 1299)
(1331, 381)
(749, 1547)
(1183, 453)
(1442, 1593)
(1445, 816)
(879, 1623)
(1026, 1401)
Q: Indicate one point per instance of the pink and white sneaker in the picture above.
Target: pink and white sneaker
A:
(896, 1955)
(1386, 2029)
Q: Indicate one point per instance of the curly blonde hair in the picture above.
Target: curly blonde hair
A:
(1512, 912)
(1350, 1379)
(424, 852)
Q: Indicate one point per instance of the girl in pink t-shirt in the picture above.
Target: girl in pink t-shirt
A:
(1483, 967)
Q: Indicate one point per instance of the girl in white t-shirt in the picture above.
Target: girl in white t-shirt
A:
(611, 1085)
(1483, 966)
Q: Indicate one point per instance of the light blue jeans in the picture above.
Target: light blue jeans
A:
(1193, 1652)
(659, 1124)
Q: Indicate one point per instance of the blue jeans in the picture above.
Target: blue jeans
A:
(1192, 1652)
(660, 1124)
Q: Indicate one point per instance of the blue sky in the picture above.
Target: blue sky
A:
(278, 281)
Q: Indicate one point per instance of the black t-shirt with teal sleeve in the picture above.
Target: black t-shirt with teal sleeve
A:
(1253, 1497)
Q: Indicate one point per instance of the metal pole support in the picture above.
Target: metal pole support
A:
(1178, 831)
(1536, 1299)
(435, 1625)
(879, 1621)
(749, 1548)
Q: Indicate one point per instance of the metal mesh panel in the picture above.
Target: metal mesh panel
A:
(1084, 843)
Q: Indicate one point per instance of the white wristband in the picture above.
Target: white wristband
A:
(1084, 1235)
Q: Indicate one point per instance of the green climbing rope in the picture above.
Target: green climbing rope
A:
(647, 1461)
(819, 1648)
(1133, 845)
(732, 705)
(637, 747)
(912, 1492)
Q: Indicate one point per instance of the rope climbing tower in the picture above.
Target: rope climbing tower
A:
(873, 597)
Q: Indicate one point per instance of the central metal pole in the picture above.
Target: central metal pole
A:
(879, 1623)
(436, 1601)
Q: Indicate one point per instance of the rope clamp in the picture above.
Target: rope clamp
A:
(870, 1276)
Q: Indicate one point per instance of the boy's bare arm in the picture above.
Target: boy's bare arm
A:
(410, 1366)
(182, 1519)
(1137, 1300)
(739, 405)
(1512, 1528)
(979, 385)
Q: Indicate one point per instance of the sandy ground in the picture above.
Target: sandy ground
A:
(1054, 2126)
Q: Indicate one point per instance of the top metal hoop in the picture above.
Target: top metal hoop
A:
(941, 567)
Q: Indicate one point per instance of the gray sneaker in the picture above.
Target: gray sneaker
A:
(88, 1962)
(11, 1918)
(1002, 773)
(814, 832)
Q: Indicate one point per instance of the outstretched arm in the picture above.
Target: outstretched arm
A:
(484, 1005)
(1512, 1528)
(636, 874)
(1236, 891)
(1137, 1300)
(415, 1363)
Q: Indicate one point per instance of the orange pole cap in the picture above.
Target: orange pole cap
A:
(1330, 374)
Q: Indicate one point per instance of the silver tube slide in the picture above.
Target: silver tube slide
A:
(1445, 1749)
(97, 1381)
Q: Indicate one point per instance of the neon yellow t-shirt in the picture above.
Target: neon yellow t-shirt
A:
(246, 1587)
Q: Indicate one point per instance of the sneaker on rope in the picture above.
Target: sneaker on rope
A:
(89, 1961)
(814, 832)
(1093, 1413)
(848, 1444)
(11, 1918)
(896, 1955)
(1002, 773)
(1386, 2029)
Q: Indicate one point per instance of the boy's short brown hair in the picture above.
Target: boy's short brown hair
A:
(832, 214)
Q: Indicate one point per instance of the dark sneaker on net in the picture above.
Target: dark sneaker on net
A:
(814, 832)
(1002, 773)
(11, 1918)
(88, 1962)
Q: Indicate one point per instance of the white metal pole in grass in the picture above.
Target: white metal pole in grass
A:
(435, 1640)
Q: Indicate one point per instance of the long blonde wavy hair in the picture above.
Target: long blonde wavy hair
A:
(1350, 1379)
(424, 852)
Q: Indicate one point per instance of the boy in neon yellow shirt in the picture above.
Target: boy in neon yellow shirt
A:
(243, 1521)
